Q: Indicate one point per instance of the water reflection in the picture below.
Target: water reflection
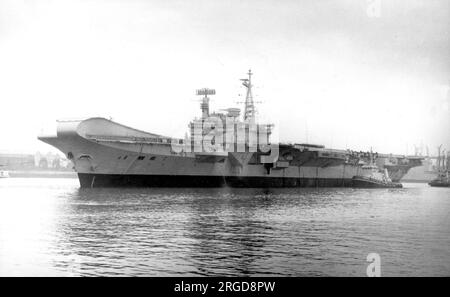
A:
(229, 237)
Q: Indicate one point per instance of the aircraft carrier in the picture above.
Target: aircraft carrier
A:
(222, 149)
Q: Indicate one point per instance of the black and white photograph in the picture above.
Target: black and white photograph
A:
(248, 141)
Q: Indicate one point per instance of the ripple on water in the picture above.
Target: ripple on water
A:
(51, 227)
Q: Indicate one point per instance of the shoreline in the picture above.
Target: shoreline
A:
(41, 173)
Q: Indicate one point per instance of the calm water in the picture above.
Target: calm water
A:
(51, 227)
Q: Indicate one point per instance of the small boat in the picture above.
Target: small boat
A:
(443, 164)
(442, 180)
(374, 178)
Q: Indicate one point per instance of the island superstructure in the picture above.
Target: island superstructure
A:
(221, 150)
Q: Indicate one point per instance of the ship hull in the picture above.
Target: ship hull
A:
(88, 180)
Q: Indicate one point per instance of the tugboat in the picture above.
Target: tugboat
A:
(376, 179)
(373, 177)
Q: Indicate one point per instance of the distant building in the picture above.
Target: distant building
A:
(10, 161)
(51, 161)
(16, 161)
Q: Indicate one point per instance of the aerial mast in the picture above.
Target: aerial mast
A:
(249, 113)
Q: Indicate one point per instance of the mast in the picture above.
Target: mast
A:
(445, 155)
(249, 113)
(439, 158)
(448, 162)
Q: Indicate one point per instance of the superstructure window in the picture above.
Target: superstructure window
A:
(141, 158)
(152, 158)
(125, 157)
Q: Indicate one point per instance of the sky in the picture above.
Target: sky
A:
(347, 74)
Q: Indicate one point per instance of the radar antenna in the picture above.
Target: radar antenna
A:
(204, 105)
